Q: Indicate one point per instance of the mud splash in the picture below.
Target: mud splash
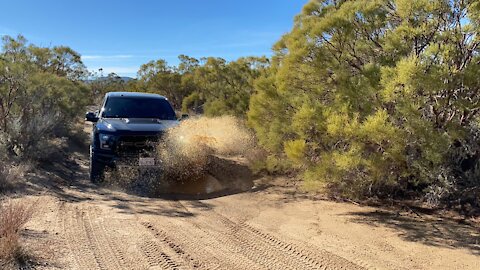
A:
(200, 156)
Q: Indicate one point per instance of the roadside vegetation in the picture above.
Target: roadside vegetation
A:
(376, 99)
(40, 93)
(10, 175)
(13, 216)
(210, 86)
(362, 99)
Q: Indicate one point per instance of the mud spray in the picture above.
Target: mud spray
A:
(199, 156)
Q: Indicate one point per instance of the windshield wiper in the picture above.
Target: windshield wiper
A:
(144, 117)
(117, 116)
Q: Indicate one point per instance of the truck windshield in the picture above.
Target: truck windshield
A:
(138, 107)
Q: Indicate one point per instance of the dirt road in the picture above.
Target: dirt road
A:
(88, 228)
(270, 226)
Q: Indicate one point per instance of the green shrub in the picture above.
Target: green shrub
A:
(375, 98)
(40, 95)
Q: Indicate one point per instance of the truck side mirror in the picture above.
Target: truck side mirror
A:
(91, 117)
(184, 117)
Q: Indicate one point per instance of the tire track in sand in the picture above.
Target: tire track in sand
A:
(268, 250)
(221, 254)
(93, 245)
(177, 257)
(157, 248)
(124, 251)
(227, 251)
(205, 239)
(77, 238)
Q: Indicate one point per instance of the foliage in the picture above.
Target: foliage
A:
(210, 85)
(158, 77)
(13, 217)
(225, 88)
(40, 92)
(100, 85)
(9, 175)
(375, 97)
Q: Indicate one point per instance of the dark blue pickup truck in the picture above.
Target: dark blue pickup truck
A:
(127, 129)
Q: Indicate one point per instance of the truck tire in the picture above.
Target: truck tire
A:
(96, 169)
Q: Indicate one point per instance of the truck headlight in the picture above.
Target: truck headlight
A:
(106, 141)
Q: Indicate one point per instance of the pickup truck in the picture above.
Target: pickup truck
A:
(126, 131)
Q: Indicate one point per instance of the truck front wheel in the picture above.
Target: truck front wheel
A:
(96, 169)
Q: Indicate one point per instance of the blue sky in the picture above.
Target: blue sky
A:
(121, 35)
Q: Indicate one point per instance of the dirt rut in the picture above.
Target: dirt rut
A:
(109, 230)
(84, 226)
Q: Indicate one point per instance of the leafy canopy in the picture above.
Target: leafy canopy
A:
(373, 96)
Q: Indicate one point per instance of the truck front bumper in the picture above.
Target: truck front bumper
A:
(114, 161)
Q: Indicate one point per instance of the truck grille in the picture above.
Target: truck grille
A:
(135, 145)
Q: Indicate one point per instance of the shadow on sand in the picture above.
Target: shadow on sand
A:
(426, 229)
(224, 177)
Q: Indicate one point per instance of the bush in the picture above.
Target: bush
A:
(9, 174)
(39, 96)
(13, 216)
(224, 88)
(370, 99)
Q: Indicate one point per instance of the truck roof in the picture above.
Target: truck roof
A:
(134, 94)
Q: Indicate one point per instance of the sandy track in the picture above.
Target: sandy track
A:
(112, 230)
(261, 247)
(82, 226)
(87, 227)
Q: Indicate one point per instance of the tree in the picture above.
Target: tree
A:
(40, 93)
(210, 85)
(59, 60)
(99, 86)
(222, 87)
(158, 77)
(374, 97)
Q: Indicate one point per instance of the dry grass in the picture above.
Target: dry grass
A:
(9, 174)
(13, 216)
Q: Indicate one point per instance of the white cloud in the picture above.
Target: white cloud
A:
(126, 71)
(106, 57)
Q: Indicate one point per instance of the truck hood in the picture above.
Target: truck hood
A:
(135, 124)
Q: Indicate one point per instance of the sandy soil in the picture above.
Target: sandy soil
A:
(86, 227)
(270, 225)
